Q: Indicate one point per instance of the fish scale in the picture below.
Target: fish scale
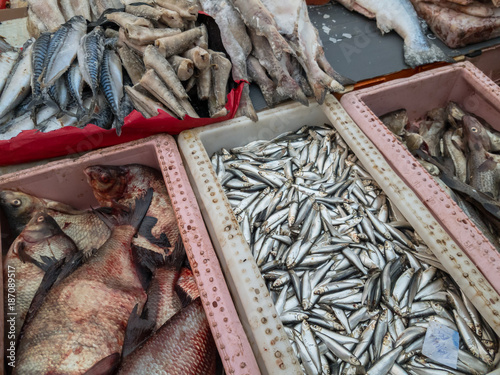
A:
(376, 305)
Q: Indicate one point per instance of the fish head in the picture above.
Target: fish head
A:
(18, 208)
(108, 182)
(475, 134)
(40, 227)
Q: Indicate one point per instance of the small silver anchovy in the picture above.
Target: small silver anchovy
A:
(354, 286)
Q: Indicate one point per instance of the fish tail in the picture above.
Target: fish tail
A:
(117, 124)
(420, 56)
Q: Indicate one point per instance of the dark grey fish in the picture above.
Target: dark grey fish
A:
(63, 49)
(74, 84)
(90, 55)
(58, 95)
(111, 81)
(40, 49)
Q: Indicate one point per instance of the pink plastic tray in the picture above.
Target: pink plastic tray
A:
(488, 63)
(476, 93)
(64, 181)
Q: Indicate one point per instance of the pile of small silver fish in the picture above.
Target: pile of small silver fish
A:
(353, 284)
(462, 152)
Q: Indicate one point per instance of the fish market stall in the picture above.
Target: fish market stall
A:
(173, 225)
(279, 272)
(304, 236)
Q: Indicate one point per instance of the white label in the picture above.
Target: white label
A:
(441, 344)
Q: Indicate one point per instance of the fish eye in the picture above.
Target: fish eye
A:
(474, 130)
(104, 178)
(16, 202)
(40, 219)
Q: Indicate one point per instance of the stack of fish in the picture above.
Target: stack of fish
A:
(106, 290)
(462, 152)
(158, 59)
(76, 77)
(461, 22)
(280, 44)
(353, 284)
(48, 16)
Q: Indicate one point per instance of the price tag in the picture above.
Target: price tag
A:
(441, 344)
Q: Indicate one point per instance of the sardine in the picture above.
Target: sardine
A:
(381, 291)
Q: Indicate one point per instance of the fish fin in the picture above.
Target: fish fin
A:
(106, 366)
(138, 330)
(186, 287)
(62, 207)
(145, 262)
(418, 56)
(132, 217)
(72, 263)
(487, 165)
(147, 257)
(152, 259)
(50, 277)
(145, 230)
(141, 208)
(177, 256)
(19, 247)
(46, 262)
